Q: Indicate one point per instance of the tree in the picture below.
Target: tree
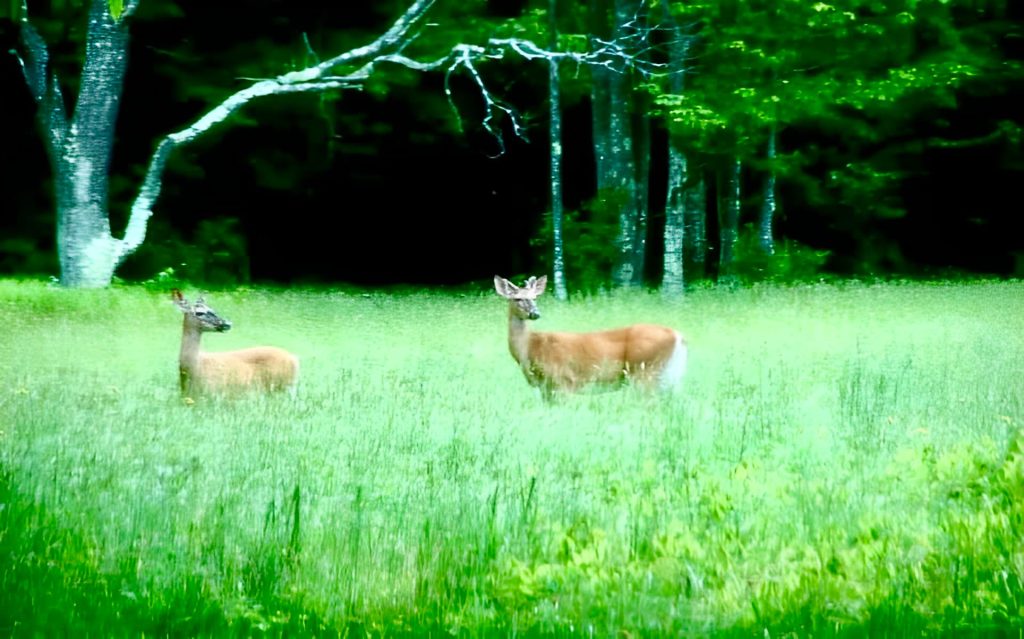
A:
(555, 128)
(679, 202)
(729, 194)
(765, 221)
(80, 148)
(621, 163)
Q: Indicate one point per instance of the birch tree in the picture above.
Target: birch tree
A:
(673, 274)
(621, 169)
(79, 148)
(766, 218)
(555, 129)
(695, 242)
(728, 217)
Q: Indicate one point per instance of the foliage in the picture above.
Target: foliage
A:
(587, 235)
(216, 254)
(845, 460)
(21, 255)
(859, 91)
(791, 263)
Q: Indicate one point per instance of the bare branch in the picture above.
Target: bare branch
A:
(142, 207)
(388, 48)
(37, 56)
(44, 86)
(465, 59)
(310, 79)
(393, 38)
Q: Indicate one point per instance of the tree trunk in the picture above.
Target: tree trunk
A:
(695, 234)
(622, 171)
(642, 161)
(672, 281)
(673, 273)
(557, 259)
(765, 236)
(599, 101)
(729, 218)
(80, 151)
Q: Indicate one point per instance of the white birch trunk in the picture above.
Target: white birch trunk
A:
(622, 168)
(765, 235)
(673, 273)
(557, 217)
(695, 237)
(672, 281)
(80, 149)
(641, 188)
(729, 218)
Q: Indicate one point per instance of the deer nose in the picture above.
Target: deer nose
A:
(534, 314)
(224, 326)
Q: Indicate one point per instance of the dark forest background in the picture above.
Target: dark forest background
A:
(387, 185)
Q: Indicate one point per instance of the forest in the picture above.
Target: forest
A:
(648, 143)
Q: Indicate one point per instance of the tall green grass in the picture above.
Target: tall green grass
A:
(842, 460)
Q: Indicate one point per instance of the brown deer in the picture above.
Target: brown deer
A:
(260, 368)
(651, 356)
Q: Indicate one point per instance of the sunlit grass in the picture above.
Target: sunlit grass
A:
(835, 462)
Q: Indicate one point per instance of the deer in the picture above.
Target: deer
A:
(258, 369)
(650, 356)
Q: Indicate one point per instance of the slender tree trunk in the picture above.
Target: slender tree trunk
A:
(765, 236)
(695, 235)
(642, 188)
(729, 218)
(672, 281)
(557, 261)
(642, 150)
(622, 167)
(673, 273)
(599, 102)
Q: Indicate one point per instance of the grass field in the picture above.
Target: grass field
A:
(842, 460)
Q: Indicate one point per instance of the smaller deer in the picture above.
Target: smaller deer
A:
(651, 356)
(260, 368)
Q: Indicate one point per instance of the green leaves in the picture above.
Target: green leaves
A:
(859, 74)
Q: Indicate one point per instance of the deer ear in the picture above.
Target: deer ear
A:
(538, 284)
(179, 299)
(504, 287)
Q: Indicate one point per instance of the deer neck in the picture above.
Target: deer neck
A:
(518, 339)
(189, 357)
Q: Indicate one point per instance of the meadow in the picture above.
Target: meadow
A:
(841, 460)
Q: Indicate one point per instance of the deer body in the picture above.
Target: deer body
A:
(260, 368)
(648, 355)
